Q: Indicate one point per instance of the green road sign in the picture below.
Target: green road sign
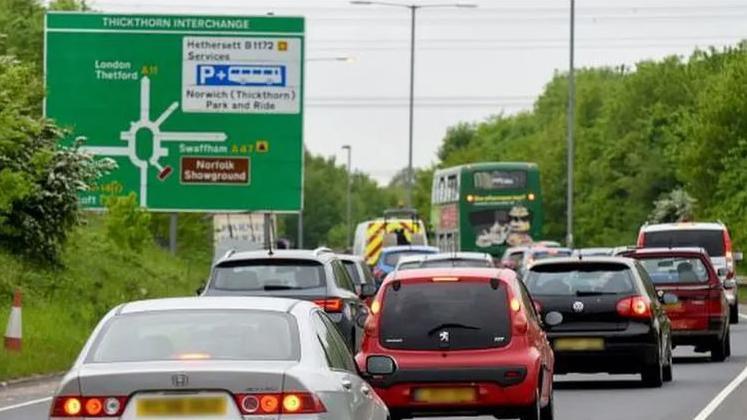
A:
(201, 113)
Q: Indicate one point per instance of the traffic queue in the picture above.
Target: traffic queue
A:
(311, 334)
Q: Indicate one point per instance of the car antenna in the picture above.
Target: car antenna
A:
(269, 236)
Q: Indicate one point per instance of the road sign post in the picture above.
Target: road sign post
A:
(200, 113)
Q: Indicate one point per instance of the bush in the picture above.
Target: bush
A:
(127, 225)
(39, 179)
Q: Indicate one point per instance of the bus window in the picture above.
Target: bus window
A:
(453, 188)
(500, 180)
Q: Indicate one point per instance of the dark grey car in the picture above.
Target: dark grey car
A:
(317, 276)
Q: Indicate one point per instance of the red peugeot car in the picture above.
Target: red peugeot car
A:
(700, 315)
(455, 342)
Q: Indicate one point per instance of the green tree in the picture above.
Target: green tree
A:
(325, 202)
(40, 179)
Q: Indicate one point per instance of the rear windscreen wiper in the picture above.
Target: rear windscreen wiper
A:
(593, 293)
(451, 325)
(279, 287)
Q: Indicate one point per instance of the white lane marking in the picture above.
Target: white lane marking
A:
(26, 404)
(713, 405)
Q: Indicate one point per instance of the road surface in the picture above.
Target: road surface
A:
(697, 382)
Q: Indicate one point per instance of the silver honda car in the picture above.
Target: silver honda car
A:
(216, 358)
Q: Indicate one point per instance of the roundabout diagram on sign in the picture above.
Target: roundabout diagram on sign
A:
(152, 128)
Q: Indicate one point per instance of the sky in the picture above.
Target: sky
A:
(470, 63)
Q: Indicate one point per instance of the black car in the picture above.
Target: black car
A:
(317, 275)
(603, 314)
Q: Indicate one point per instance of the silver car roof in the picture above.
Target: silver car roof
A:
(319, 254)
(208, 303)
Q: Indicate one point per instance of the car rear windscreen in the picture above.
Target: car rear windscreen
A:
(711, 240)
(685, 270)
(445, 316)
(392, 258)
(268, 275)
(580, 279)
(457, 262)
(551, 253)
(197, 335)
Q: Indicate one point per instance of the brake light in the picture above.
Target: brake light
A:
(638, 307)
(515, 305)
(370, 327)
(729, 256)
(641, 240)
(330, 305)
(73, 406)
(449, 279)
(375, 307)
(286, 403)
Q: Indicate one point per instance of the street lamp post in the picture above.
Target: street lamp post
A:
(571, 120)
(413, 9)
(349, 218)
(343, 59)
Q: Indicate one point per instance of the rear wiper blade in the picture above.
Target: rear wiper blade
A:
(451, 325)
(593, 293)
(279, 287)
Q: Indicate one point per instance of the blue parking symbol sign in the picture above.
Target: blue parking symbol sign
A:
(241, 75)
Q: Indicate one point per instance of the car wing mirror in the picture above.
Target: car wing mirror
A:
(200, 290)
(721, 272)
(730, 284)
(380, 366)
(368, 290)
(669, 299)
(361, 317)
(738, 256)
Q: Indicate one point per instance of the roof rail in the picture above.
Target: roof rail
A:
(228, 254)
(323, 250)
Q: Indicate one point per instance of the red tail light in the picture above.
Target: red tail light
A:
(638, 307)
(641, 240)
(729, 256)
(330, 305)
(286, 403)
(519, 318)
(75, 406)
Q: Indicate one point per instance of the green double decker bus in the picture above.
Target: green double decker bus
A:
(486, 207)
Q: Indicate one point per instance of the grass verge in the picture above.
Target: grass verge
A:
(62, 305)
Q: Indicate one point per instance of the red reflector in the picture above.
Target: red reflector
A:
(330, 305)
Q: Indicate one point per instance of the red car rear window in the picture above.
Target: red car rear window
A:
(445, 316)
(675, 270)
